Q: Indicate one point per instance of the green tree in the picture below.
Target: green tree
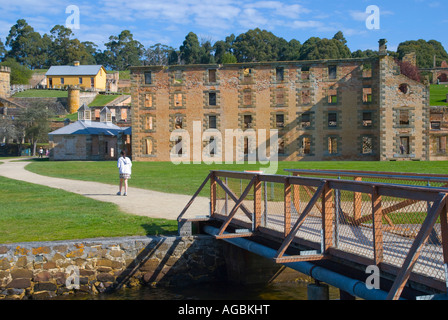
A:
(26, 45)
(190, 50)
(122, 51)
(425, 51)
(2, 50)
(258, 45)
(36, 124)
(206, 52)
(228, 58)
(20, 74)
(291, 51)
(316, 48)
(64, 50)
(158, 55)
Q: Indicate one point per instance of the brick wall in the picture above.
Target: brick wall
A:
(349, 105)
(42, 270)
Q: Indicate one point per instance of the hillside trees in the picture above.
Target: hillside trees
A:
(425, 51)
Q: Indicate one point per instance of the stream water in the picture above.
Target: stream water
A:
(211, 291)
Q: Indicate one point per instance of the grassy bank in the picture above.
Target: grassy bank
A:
(36, 213)
(186, 178)
(438, 95)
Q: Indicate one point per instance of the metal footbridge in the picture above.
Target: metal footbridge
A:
(336, 225)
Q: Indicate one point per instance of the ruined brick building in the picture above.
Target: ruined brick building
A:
(350, 109)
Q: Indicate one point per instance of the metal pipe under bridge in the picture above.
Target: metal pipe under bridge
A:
(336, 225)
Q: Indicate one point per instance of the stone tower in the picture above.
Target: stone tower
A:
(5, 81)
(73, 99)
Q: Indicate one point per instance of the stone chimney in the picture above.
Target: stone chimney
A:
(382, 47)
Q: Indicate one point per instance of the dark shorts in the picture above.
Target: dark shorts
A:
(125, 176)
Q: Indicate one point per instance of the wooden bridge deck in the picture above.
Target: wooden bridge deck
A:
(401, 229)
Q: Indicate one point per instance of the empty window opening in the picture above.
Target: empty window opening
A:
(247, 121)
(404, 117)
(179, 144)
(367, 95)
(306, 120)
(367, 70)
(306, 96)
(281, 146)
(306, 145)
(148, 79)
(212, 98)
(148, 100)
(148, 147)
(367, 119)
(279, 74)
(280, 96)
(332, 145)
(247, 97)
(212, 75)
(280, 120)
(404, 145)
(212, 146)
(404, 88)
(148, 122)
(435, 125)
(305, 74)
(332, 72)
(332, 119)
(212, 122)
(178, 99)
(367, 145)
(332, 96)
(178, 122)
(178, 76)
(441, 144)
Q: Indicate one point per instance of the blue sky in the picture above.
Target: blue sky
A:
(169, 21)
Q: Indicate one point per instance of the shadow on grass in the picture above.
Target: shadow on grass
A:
(164, 227)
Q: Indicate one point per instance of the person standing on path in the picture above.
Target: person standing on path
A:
(124, 165)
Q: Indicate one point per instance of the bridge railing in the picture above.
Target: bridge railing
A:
(402, 229)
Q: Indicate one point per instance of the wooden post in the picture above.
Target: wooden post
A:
(414, 252)
(287, 207)
(357, 203)
(377, 226)
(257, 203)
(327, 217)
(212, 194)
(296, 198)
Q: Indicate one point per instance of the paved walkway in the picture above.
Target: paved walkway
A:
(139, 201)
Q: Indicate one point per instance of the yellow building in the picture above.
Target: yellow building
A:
(91, 77)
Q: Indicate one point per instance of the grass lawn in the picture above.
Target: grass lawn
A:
(185, 179)
(438, 95)
(39, 213)
(102, 100)
(34, 93)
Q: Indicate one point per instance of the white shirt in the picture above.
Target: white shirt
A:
(124, 165)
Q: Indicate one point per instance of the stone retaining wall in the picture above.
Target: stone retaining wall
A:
(42, 270)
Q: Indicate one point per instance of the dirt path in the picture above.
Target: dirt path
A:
(138, 201)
